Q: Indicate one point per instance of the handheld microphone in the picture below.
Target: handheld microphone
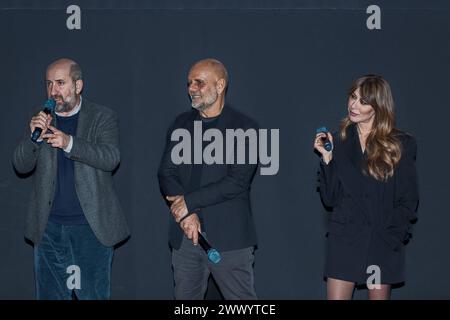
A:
(49, 107)
(213, 254)
(326, 142)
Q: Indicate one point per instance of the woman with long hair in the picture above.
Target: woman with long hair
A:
(369, 180)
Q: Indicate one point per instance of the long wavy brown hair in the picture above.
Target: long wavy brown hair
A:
(382, 145)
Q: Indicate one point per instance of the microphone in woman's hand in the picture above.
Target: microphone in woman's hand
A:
(327, 145)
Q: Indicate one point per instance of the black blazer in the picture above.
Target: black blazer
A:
(224, 196)
(360, 200)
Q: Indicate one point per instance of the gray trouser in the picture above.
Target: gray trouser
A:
(233, 274)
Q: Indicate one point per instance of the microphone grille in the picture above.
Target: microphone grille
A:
(50, 104)
(322, 129)
(214, 256)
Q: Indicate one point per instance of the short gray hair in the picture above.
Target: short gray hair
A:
(75, 71)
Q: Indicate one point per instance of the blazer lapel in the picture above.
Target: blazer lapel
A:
(84, 126)
(84, 119)
(353, 163)
(185, 170)
(222, 122)
(352, 149)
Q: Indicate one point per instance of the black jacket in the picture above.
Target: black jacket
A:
(223, 199)
(371, 220)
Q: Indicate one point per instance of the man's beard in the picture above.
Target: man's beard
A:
(202, 107)
(208, 103)
(66, 105)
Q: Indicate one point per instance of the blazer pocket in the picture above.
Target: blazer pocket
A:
(395, 237)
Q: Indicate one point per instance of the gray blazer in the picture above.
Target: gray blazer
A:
(96, 154)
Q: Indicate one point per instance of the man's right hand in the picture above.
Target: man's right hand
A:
(191, 227)
(40, 120)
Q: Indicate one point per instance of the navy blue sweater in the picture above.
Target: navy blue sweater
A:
(66, 207)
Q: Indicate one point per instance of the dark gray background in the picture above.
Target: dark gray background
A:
(290, 65)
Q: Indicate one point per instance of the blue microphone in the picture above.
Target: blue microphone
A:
(326, 142)
(49, 107)
(213, 254)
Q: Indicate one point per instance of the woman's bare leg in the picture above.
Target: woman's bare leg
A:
(384, 293)
(339, 289)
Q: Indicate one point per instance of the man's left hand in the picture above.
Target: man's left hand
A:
(57, 139)
(191, 227)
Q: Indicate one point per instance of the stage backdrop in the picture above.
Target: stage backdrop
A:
(290, 65)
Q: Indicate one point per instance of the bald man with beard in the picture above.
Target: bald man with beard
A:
(210, 198)
(74, 217)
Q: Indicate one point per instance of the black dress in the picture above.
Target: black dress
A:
(370, 222)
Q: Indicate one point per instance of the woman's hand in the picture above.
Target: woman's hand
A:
(318, 145)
